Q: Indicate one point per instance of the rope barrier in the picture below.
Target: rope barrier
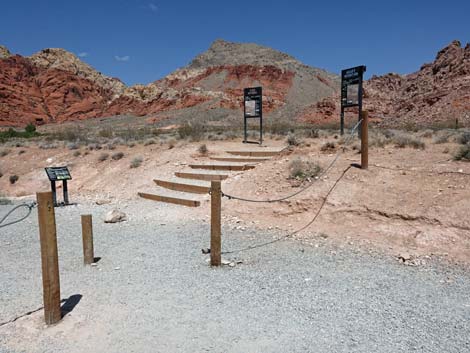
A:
(230, 197)
(28, 206)
(298, 230)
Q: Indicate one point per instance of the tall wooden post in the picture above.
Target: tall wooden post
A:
(87, 237)
(365, 140)
(216, 204)
(49, 257)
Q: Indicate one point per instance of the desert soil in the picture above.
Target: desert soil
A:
(153, 291)
(418, 207)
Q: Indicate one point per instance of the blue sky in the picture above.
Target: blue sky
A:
(140, 41)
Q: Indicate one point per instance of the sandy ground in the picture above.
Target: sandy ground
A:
(153, 291)
(418, 208)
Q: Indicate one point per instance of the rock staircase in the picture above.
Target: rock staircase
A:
(183, 188)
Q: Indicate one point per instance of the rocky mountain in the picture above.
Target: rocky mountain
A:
(438, 93)
(54, 85)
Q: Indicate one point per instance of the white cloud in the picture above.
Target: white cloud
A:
(83, 54)
(122, 58)
(153, 7)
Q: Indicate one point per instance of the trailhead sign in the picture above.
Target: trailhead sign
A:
(351, 90)
(253, 108)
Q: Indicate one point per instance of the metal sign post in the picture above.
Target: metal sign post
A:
(59, 174)
(253, 108)
(351, 91)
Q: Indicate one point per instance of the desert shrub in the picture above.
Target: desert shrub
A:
(106, 132)
(194, 131)
(303, 169)
(48, 145)
(378, 139)
(4, 201)
(73, 146)
(312, 133)
(29, 131)
(136, 162)
(442, 137)
(103, 157)
(328, 146)
(150, 142)
(292, 140)
(403, 140)
(76, 153)
(203, 150)
(464, 138)
(13, 179)
(94, 146)
(66, 134)
(280, 128)
(426, 133)
(3, 153)
(463, 153)
(171, 144)
(117, 156)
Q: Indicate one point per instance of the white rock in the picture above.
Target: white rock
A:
(115, 216)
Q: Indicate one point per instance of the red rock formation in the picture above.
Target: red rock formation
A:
(29, 93)
(438, 92)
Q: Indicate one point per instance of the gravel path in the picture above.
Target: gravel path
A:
(153, 291)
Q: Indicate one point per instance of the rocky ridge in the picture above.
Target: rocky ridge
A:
(54, 85)
(438, 93)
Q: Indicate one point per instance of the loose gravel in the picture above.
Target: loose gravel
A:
(153, 291)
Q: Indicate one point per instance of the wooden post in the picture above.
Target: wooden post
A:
(216, 204)
(365, 140)
(87, 237)
(49, 257)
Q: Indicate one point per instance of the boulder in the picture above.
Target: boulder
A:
(115, 216)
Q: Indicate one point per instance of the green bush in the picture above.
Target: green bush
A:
(463, 153)
(303, 169)
(194, 131)
(136, 162)
(117, 156)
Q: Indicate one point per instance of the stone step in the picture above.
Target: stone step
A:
(258, 152)
(240, 159)
(207, 175)
(171, 197)
(185, 185)
(222, 166)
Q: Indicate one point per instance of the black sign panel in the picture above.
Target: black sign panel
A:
(253, 102)
(58, 173)
(351, 96)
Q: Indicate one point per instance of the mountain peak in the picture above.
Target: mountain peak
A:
(61, 59)
(4, 52)
(224, 53)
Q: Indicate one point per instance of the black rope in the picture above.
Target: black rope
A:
(298, 230)
(28, 206)
(230, 197)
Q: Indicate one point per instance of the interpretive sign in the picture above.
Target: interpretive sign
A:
(351, 90)
(253, 108)
(59, 174)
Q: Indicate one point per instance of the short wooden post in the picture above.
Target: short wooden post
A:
(49, 257)
(365, 140)
(87, 237)
(216, 204)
